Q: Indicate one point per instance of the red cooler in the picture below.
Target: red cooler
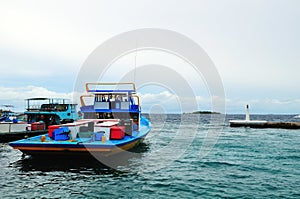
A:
(51, 129)
(37, 126)
(117, 132)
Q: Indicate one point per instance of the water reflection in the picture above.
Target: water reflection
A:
(83, 164)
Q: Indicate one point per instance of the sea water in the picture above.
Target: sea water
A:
(240, 163)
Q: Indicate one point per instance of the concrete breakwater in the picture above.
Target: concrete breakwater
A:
(262, 123)
(283, 125)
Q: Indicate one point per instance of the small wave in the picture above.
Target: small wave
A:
(218, 164)
(239, 176)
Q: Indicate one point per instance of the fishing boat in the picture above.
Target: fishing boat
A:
(112, 122)
(40, 113)
(6, 112)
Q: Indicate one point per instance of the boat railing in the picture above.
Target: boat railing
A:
(33, 108)
(106, 106)
(83, 97)
(106, 102)
(110, 87)
(47, 104)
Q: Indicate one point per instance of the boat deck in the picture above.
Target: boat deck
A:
(86, 141)
(37, 146)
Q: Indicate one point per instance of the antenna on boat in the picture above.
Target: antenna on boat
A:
(135, 57)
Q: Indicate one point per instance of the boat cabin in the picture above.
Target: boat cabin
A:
(51, 111)
(111, 101)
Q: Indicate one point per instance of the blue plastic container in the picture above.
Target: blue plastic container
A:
(98, 136)
(61, 134)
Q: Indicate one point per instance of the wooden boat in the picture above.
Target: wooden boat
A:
(39, 114)
(112, 123)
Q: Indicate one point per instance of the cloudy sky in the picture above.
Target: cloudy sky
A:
(254, 44)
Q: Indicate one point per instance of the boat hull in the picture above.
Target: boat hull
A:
(76, 152)
(10, 131)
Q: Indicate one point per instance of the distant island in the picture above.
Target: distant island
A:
(205, 112)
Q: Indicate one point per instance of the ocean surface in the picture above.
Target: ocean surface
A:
(184, 156)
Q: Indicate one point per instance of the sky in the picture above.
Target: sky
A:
(254, 45)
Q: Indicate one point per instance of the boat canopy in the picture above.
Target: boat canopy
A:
(38, 103)
(110, 88)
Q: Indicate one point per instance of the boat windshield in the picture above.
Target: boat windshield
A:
(54, 107)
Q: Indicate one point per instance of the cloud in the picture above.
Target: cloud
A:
(171, 103)
(264, 106)
(161, 102)
(17, 96)
(29, 92)
(257, 58)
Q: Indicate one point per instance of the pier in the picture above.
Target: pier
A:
(281, 125)
(262, 123)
